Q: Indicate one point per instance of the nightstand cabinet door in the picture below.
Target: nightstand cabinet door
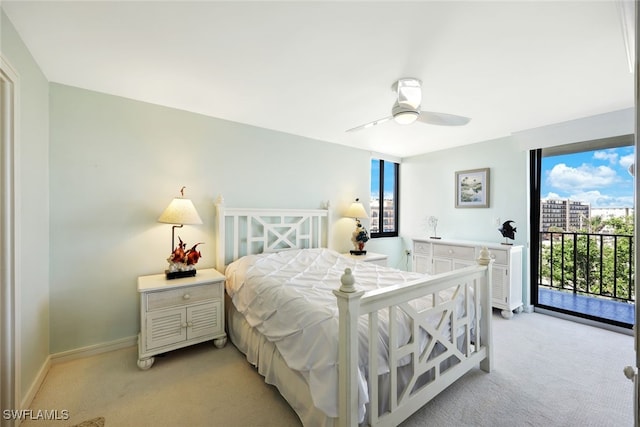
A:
(165, 327)
(204, 320)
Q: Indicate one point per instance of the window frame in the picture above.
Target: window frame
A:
(396, 193)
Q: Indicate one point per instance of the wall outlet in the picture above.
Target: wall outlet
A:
(496, 221)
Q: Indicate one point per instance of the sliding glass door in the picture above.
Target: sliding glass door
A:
(582, 227)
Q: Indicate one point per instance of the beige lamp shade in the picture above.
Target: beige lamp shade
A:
(180, 211)
(356, 210)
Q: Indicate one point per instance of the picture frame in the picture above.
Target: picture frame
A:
(472, 188)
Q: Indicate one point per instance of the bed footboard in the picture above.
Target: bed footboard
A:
(448, 338)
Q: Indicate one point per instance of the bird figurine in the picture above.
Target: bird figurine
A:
(508, 231)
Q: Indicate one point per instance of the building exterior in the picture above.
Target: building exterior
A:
(607, 213)
(564, 214)
(387, 215)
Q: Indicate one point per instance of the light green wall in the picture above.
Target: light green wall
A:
(428, 190)
(32, 234)
(117, 163)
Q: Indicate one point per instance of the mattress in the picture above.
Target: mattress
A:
(287, 298)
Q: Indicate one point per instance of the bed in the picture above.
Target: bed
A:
(317, 324)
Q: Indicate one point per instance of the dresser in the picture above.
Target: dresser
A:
(179, 312)
(436, 256)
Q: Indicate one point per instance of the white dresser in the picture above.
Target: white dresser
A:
(436, 256)
(179, 312)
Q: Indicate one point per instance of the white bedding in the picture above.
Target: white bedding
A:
(287, 296)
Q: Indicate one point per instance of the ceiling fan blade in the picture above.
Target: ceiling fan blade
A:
(442, 119)
(370, 124)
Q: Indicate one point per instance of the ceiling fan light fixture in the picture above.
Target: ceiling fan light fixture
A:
(405, 117)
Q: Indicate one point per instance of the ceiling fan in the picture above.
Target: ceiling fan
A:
(406, 109)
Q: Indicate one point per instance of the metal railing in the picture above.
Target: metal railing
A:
(587, 263)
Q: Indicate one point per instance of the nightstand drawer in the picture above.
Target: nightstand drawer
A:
(184, 295)
(459, 252)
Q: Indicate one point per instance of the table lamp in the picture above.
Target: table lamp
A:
(359, 237)
(179, 212)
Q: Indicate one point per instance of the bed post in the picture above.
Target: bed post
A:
(487, 310)
(220, 234)
(348, 311)
(327, 206)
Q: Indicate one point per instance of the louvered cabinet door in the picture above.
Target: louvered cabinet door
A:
(500, 286)
(204, 320)
(165, 328)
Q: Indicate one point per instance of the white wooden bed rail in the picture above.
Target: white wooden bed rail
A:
(474, 284)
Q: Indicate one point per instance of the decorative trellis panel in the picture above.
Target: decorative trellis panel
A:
(252, 231)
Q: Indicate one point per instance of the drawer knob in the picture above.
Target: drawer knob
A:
(184, 325)
(186, 296)
(450, 251)
(190, 324)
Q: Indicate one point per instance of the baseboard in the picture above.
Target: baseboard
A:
(35, 385)
(77, 353)
(92, 350)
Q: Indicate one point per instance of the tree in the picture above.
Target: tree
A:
(572, 261)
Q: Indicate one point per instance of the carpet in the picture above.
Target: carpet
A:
(95, 422)
(547, 372)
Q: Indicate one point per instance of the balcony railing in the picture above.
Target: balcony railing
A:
(599, 265)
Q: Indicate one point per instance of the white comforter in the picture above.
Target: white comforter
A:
(288, 297)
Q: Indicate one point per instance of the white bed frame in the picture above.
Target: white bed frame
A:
(242, 231)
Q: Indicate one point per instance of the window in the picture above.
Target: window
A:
(384, 198)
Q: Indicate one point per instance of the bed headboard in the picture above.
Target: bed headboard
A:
(246, 231)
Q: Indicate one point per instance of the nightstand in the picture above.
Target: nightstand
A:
(180, 312)
(371, 257)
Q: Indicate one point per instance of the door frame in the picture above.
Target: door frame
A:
(10, 377)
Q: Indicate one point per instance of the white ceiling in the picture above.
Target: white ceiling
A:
(318, 68)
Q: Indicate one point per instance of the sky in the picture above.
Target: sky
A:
(375, 178)
(599, 177)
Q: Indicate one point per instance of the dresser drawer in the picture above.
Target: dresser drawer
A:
(421, 248)
(499, 256)
(452, 251)
(184, 295)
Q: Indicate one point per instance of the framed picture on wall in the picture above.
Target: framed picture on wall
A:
(472, 188)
